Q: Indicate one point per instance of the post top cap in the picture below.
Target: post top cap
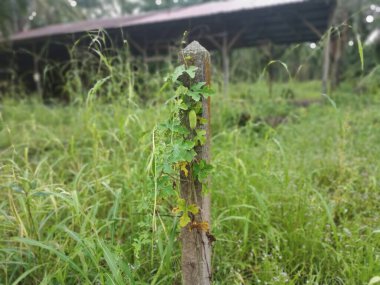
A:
(194, 47)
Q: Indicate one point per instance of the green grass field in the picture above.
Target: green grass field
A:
(295, 191)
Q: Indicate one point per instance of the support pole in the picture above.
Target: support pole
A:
(196, 247)
(225, 46)
(36, 72)
(326, 64)
(226, 65)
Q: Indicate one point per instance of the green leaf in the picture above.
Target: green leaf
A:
(180, 105)
(181, 90)
(192, 119)
(62, 256)
(182, 151)
(165, 186)
(207, 91)
(26, 273)
(112, 262)
(374, 280)
(177, 73)
(202, 170)
(167, 168)
(183, 106)
(180, 130)
(198, 86)
(195, 95)
(188, 144)
(191, 71)
(195, 91)
(174, 127)
(200, 137)
(360, 49)
(199, 89)
(198, 108)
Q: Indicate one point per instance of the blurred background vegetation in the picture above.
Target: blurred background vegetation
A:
(352, 22)
(296, 186)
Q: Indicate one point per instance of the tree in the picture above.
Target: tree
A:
(19, 15)
(10, 10)
(27, 14)
(349, 26)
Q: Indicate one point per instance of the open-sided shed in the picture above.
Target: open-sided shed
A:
(217, 25)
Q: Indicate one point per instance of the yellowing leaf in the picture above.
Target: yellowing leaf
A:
(193, 209)
(192, 119)
(202, 121)
(183, 167)
(184, 220)
(182, 207)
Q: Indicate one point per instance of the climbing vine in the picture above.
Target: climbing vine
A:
(175, 142)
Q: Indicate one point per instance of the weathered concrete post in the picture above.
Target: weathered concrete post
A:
(196, 247)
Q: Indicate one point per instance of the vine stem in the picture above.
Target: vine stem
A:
(154, 224)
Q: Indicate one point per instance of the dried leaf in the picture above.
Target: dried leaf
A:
(202, 226)
(176, 210)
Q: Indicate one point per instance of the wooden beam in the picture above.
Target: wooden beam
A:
(311, 27)
(235, 38)
(326, 64)
(226, 64)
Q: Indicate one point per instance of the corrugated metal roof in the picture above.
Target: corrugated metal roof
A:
(191, 12)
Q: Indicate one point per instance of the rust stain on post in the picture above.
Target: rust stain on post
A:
(196, 248)
(208, 81)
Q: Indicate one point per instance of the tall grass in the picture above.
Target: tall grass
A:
(295, 199)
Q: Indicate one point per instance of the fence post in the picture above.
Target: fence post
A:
(196, 246)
